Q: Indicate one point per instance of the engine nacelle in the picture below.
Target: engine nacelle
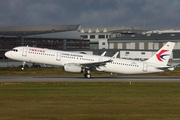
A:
(73, 68)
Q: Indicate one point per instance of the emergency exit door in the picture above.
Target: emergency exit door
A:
(58, 57)
(145, 67)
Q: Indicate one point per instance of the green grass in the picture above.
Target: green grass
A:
(87, 101)
(90, 101)
(60, 72)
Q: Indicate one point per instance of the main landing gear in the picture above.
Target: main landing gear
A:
(87, 73)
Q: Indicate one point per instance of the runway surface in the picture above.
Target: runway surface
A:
(93, 79)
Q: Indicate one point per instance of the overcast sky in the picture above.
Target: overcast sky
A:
(157, 14)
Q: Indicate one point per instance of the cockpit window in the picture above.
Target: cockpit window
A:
(15, 50)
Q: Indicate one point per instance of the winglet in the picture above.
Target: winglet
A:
(103, 53)
(114, 56)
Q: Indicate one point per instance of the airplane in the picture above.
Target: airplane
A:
(76, 62)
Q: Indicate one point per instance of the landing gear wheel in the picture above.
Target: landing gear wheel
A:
(87, 75)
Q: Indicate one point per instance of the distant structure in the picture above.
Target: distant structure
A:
(99, 36)
(163, 31)
(66, 37)
(130, 41)
(149, 41)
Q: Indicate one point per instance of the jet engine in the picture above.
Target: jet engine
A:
(73, 68)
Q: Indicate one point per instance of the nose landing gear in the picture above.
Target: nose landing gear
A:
(23, 65)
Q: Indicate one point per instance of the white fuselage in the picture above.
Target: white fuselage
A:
(60, 58)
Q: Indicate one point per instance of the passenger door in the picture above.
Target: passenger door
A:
(24, 52)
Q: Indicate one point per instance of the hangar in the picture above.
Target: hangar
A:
(66, 37)
(129, 39)
(145, 42)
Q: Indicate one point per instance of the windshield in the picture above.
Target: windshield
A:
(15, 50)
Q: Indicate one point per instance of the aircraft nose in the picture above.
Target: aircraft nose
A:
(7, 54)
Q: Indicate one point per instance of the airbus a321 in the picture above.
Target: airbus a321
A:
(74, 62)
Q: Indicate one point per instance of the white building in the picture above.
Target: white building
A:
(99, 36)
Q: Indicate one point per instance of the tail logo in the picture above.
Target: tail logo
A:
(160, 55)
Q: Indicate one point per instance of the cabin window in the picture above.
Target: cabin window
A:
(143, 53)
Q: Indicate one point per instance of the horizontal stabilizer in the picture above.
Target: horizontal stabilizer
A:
(165, 68)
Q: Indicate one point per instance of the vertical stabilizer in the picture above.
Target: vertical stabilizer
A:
(162, 56)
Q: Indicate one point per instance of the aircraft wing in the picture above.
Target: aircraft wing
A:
(100, 63)
(96, 64)
(92, 65)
